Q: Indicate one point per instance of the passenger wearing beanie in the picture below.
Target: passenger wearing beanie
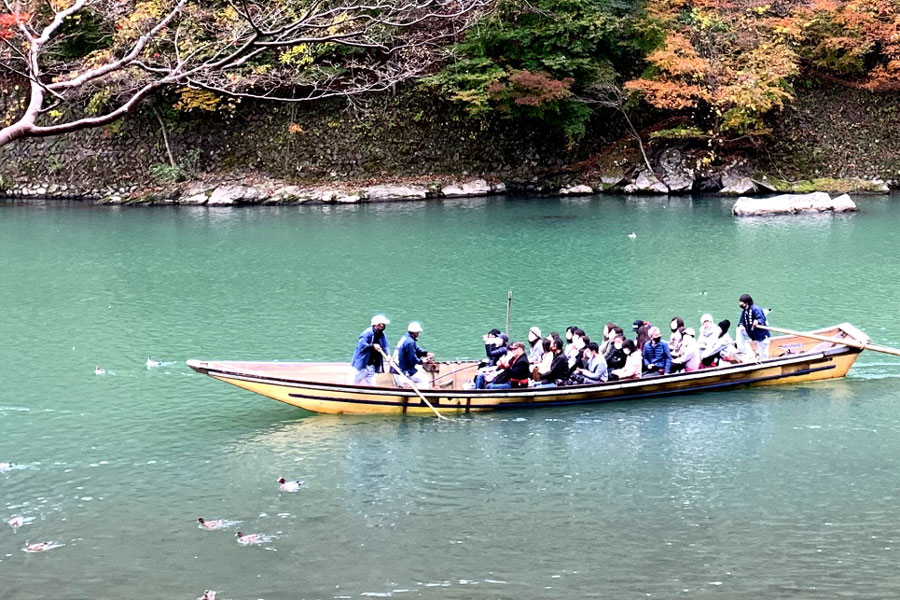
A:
(655, 355)
(366, 359)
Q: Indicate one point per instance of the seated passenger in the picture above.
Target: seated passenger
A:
(689, 359)
(675, 337)
(574, 344)
(616, 357)
(709, 333)
(657, 360)
(642, 336)
(494, 345)
(605, 344)
(633, 363)
(579, 342)
(537, 347)
(594, 369)
(559, 366)
(722, 349)
(514, 370)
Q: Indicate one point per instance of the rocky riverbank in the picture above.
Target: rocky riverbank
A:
(253, 189)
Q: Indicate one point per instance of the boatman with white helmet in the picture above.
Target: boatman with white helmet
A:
(367, 360)
(410, 357)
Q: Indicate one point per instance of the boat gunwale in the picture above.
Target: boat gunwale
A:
(534, 392)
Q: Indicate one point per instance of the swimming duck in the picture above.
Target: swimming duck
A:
(16, 522)
(208, 595)
(99, 370)
(289, 486)
(40, 546)
(249, 538)
(152, 362)
(632, 235)
(217, 524)
(6, 466)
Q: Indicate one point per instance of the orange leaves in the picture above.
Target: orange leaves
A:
(667, 95)
(678, 58)
(9, 23)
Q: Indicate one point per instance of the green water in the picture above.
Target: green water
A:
(786, 492)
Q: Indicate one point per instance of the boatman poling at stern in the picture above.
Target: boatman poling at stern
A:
(409, 358)
(367, 360)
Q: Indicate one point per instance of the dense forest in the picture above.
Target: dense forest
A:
(711, 75)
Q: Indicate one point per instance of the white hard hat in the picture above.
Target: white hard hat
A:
(380, 320)
(414, 327)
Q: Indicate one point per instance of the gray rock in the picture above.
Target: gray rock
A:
(879, 186)
(737, 185)
(199, 199)
(289, 194)
(230, 194)
(476, 187)
(499, 188)
(349, 199)
(382, 193)
(646, 183)
(576, 190)
(764, 185)
(787, 204)
(679, 180)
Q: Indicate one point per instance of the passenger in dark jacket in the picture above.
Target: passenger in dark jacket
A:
(559, 368)
(514, 370)
(656, 356)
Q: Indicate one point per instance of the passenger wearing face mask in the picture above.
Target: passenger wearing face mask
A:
(709, 333)
(633, 366)
(608, 331)
(574, 350)
(537, 347)
(749, 328)
(656, 356)
(616, 356)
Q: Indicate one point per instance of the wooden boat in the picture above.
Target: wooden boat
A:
(322, 387)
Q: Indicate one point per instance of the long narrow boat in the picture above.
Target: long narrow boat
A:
(323, 387)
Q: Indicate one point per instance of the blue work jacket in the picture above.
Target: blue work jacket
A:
(364, 350)
(408, 355)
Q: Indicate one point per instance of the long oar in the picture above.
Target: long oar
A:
(411, 383)
(822, 338)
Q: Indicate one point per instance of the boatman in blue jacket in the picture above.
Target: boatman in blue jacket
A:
(409, 357)
(367, 360)
(748, 327)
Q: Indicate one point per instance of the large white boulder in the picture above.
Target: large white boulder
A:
(229, 194)
(576, 190)
(787, 204)
(386, 192)
(647, 183)
(476, 187)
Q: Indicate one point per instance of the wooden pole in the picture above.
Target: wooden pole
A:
(411, 383)
(845, 342)
(508, 309)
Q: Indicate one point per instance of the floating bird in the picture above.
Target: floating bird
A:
(40, 546)
(6, 466)
(217, 524)
(99, 371)
(632, 235)
(250, 539)
(289, 486)
(16, 522)
(208, 595)
(152, 362)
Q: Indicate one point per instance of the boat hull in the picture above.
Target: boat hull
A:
(319, 392)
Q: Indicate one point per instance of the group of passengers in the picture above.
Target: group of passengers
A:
(551, 361)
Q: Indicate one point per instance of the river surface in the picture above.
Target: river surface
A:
(784, 492)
